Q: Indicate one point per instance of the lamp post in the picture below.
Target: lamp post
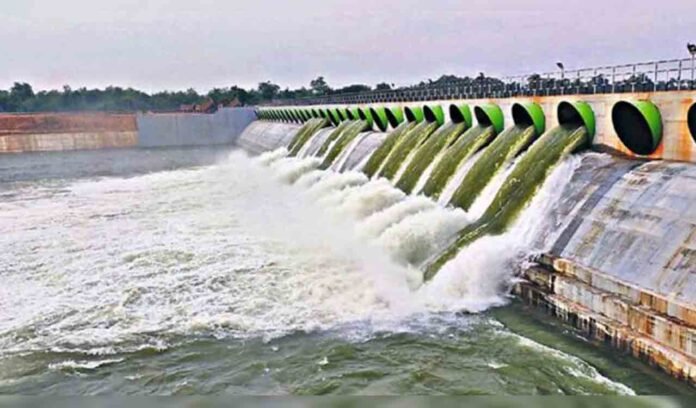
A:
(562, 68)
(692, 51)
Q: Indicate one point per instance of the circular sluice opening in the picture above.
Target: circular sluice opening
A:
(414, 114)
(490, 115)
(395, 116)
(638, 125)
(434, 114)
(364, 114)
(529, 114)
(577, 113)
(334, 116)
(379, 114)
(691, 120)
(461, 114)
(520, 115)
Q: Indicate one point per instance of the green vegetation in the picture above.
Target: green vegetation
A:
(517, 190)
(23, 98)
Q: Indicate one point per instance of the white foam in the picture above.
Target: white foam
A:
(481, 274)
(420, 236)
(290, 170)
(269, 157)
(336, 181)
(375, 225)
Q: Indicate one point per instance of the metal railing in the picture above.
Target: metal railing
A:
(654, 76)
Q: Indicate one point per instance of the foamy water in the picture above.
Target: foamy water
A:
(180, 280)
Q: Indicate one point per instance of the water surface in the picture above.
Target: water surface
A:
(181, 271)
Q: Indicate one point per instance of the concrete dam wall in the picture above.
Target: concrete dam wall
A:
(616, 256)
(86, 131)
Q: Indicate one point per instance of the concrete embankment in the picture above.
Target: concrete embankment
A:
(21, 133)
(55, 132)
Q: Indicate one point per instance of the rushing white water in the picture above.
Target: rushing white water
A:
(480, 275)
(457, 178)
(308, 179)
(335, 182)
(412, 229)
(487, 195)
(291, 169)
(340, 161)
(427, 172)
(376, 224)
(157, 253)
(94, 270)
(272, 156)
(420, 236)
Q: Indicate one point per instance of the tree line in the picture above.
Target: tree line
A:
(21, 97)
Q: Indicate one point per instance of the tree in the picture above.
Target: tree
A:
(383, 86)
(268, 90)
(353, 89)
(319, 86)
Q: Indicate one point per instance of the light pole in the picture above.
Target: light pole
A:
(562, 68)
(692, 51)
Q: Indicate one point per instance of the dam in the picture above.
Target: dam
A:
(453, 241)
(614, 252)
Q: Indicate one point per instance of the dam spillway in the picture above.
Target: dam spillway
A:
(588, 198)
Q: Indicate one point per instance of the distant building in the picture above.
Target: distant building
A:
(208, 106)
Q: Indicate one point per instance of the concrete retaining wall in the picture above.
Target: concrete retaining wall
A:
(193, 129)
(20, 133)
(71, 131)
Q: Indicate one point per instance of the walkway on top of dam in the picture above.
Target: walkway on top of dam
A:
(652, 76)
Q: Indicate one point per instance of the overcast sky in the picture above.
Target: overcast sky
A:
(177, 44)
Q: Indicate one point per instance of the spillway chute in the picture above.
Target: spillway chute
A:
(304, 134)
(463, 148)
(430, 149)
(377, 158)
(350, 132)
(638, 124)
(410, 141)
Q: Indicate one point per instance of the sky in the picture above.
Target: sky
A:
(177, 44)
